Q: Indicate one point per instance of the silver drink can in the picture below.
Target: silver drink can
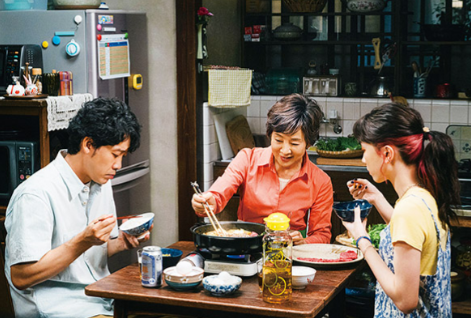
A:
(151, 266)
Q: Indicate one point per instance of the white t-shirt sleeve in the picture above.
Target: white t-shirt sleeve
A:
(29, 229)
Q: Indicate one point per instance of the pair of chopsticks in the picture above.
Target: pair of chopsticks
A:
(209, 211)
(120, 218)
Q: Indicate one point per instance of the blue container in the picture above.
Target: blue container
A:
(345, 210)
(15, 5)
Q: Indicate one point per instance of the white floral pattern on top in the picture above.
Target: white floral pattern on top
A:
(434, 290)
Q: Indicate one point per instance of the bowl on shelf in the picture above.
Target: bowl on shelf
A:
(365, 6)
(302, 276)
(139, 225)
(170, 257)
(287, 32)
(345, 210)
(180, 282)
(223, 284)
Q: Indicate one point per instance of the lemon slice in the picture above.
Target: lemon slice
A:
(279, 288)
(269, 277)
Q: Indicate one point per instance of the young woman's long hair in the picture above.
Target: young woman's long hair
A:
(431, 151)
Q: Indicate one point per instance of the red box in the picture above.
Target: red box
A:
(257, 29)
(248, 30)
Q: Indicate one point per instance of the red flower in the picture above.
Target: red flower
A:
(203, 11)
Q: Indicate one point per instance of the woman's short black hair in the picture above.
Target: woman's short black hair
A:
(107, 122)
(294, 112)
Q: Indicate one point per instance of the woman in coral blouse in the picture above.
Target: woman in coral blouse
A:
(280, 178)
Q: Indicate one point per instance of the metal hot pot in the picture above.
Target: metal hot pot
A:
(228, 245)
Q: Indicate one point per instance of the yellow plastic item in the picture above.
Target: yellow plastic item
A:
(135, 80)
(45, 44)
(277, 221)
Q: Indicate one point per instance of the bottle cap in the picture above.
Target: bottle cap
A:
(277, 221)
(37, 71)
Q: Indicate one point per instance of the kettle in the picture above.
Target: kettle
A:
(311, 71)
(381, 86)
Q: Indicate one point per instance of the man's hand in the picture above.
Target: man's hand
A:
(99, 230)
(126, 241)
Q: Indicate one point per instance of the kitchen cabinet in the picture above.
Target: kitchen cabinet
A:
(337, 38)
(31, 115)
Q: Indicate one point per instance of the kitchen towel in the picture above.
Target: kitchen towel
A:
(61, 109)
(229, 88)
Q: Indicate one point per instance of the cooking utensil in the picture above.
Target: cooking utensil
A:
(229, 245)
(376, 42)
(381, 86)
(209, 211)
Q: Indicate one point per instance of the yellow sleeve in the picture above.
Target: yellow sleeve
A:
(409, 222)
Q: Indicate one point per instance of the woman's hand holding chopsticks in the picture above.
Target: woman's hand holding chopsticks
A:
(198, 203)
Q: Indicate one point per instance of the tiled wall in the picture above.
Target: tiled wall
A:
(437, 115)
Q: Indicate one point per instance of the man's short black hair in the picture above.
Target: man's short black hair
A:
(107, 122)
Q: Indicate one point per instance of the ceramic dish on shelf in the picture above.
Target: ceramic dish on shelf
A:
(324, 255)
(39, 96)
(344, 154)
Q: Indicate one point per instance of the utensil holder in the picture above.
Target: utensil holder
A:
(51, 84)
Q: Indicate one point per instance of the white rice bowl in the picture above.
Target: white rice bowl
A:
(137, 226)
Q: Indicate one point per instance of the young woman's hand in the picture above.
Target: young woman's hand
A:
(363, 189)
(356, 228)
(197, 202)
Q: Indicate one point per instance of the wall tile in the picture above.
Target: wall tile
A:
(263, 125)
(254, 109)
(440, 113)
(458, 114)
(254, 124)
(351, 109)
(208, 172)
(439, 127)
(365, 108)
(206, 186)
(265, 106)
(209, 134)
(425, 110)
(348, 127)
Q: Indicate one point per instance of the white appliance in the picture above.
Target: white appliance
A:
(102, 49)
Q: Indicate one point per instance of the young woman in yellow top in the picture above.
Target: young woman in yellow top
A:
(413, 265)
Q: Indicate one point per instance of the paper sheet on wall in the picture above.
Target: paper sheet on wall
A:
(113, 56)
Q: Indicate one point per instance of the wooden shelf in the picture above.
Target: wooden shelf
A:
(32, 107)
(461, 221)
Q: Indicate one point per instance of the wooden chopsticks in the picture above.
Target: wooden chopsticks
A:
(120, 218)
(209, 211)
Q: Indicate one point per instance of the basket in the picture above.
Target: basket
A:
(305, 5)
(345, 154)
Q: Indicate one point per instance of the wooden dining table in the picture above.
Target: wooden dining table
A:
(326, 294)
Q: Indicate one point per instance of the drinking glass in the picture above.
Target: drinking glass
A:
(139, 260)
